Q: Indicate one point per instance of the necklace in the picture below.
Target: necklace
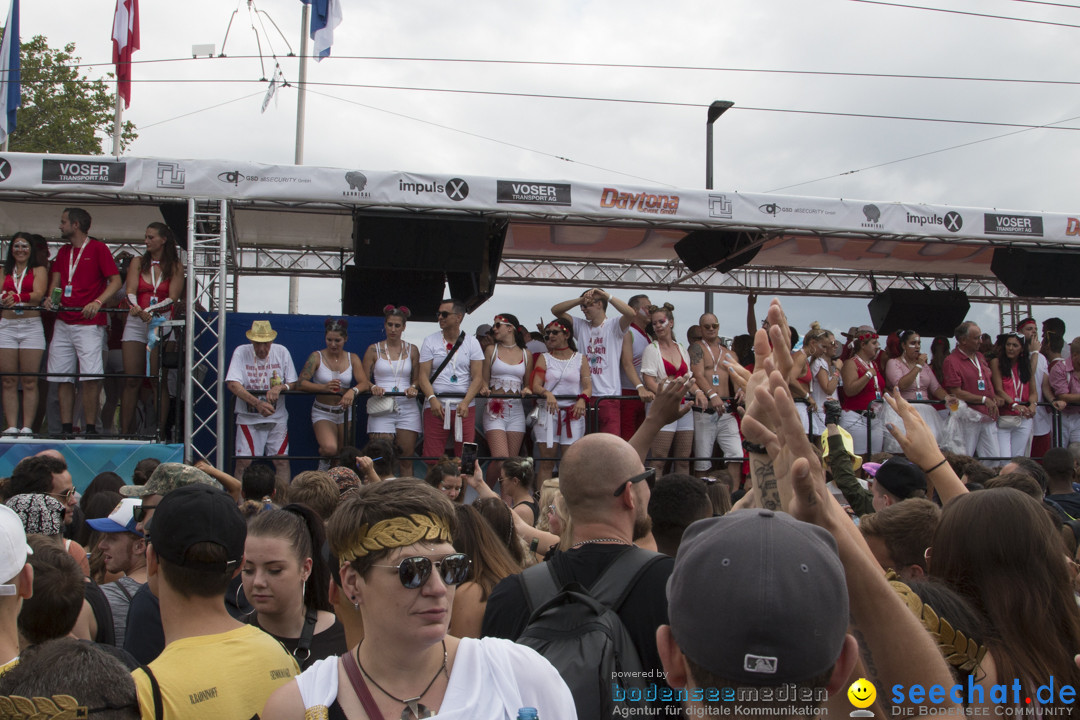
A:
(599, 540)
(413, 708)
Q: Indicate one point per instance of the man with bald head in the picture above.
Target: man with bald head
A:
(715, 425)
(607, 491)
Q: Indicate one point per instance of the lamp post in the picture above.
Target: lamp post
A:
(716, 109)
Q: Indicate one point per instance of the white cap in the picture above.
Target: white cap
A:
(13, 548)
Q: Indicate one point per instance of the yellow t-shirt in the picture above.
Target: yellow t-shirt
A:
(9, 664)
(228, 675)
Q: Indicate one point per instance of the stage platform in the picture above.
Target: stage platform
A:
(87, 458)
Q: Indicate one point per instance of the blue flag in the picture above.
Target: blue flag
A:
(10, 91)
(325, 16)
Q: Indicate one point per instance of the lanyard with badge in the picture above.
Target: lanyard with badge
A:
(72, 267)
(18, 279)
(1017, 386)
(715, 376)
(978, 366)
(154, 282)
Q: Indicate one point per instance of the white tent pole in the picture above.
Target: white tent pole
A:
(301, 102)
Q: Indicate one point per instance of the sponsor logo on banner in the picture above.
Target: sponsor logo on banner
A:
(951, 221)
(82, 172)
(356, 181)
(719, 206)
(1031, 225)
(455, 188)
(235, 177)
(5, 169)
(532, 193)
(872, 213)
(642, 202)
(775, 209)
(170, 175)
(1072, 226)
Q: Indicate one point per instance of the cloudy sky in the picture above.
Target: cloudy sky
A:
(782, 62)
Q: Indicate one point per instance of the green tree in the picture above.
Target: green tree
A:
(63, 111)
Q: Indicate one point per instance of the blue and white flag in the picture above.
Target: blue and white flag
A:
(325, 16)
(10, 91)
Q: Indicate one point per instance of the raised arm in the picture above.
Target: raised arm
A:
(562, 310)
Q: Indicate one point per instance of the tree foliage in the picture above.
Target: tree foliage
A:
(63, 111)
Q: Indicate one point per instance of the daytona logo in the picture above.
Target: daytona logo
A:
(642, 202)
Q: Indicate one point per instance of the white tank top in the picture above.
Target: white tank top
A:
(563, 376)
(392, 375)
(505, 376)
(323, 374)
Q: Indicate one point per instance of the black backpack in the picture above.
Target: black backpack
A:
(579, 631)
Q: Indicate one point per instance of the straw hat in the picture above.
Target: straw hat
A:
(261, 332)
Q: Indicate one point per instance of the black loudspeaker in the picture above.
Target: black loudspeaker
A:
(366, 291)
(726, 249)
(467, 250)
(927, 312)
(175, 216)
(1032, 272)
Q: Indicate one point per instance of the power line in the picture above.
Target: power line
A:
(965, 12)
(1051, 4)
(196, 112)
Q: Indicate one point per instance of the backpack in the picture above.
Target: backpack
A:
(579, 631)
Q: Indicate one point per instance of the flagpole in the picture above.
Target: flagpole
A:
(117, 120)
(301, 106)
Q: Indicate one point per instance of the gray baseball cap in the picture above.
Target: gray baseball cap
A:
(167, 477)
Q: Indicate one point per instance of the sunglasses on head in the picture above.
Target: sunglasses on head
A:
(649, 476)
(413, 572)
(139, 512)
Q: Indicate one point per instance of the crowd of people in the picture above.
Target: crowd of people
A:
(359, 592)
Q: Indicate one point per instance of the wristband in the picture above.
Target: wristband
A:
(943, 461)
(869, 374)
(710, 397)
(584, 397)
(430, 397)
(753, 448)
(919, 366)
(533, 544)
(133, 300)
(638, 386)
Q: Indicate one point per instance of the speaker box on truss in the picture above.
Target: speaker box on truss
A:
(927, 312)
(1037, 272)
(468, 250)
(726, 249)
(366, 291)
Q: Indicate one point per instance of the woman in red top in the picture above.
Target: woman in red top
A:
(154, 284)
(1013, 382)
(22, 340)
(863, 388)
(664, 359)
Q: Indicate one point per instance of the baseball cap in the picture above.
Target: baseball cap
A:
(40, 514)
(483, 330)
(166, 478)
(121, 519)
(193, 514)
(13, 548)
(900, 477)
(780, 577)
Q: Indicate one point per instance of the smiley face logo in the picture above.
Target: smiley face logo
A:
(862, 693)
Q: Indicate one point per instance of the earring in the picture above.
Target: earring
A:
(355, 604)
(303, 590)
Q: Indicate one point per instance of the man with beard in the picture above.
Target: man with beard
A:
(607, 491)
(86, 275)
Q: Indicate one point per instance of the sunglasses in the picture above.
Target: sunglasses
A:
(444, 314)
(499, 323)
(66, 495)
(553, 333)
(649, 476)
(415, 571)
(139, 513)
(710, 327)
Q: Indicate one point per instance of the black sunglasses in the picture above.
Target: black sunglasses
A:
(139, 513)
(415, 571)
(553, 333)
(444, 313)
(649, 476)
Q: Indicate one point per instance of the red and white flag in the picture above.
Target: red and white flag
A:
(125, 41)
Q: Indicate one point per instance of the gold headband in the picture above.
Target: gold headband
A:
(959, 651)
(397, 532)
(58, 707)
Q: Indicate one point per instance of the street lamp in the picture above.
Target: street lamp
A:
(718, 108)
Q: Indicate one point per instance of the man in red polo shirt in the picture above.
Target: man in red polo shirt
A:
(86, 275)
(966, 375)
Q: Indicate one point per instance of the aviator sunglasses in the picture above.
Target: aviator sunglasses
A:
(415, 571)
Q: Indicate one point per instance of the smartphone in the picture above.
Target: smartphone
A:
(468, 458)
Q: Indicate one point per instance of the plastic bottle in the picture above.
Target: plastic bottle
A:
(527, 713)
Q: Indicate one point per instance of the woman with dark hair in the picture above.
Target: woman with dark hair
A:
(394, 365)
(516, 483)
(560, 371)
(999, 549)
(154, 283)
(491, 562)
(501, 519)
(401, 572)
(336, 376)
(283, 554)
(911, 372)
(863, 388)
(665, 358)
(1015, 384)
(445, 476)
(22, 340)
(507, 364)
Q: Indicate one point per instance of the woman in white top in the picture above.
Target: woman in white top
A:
(394, 366)
(22, 340)
(824, 372)
(507, 365)
(662, 359)
(560, 371)
(336, 377)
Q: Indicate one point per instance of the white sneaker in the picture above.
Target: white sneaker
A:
(12, 431)
(26, 431)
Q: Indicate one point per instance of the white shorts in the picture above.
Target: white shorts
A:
(683, 424)
(330, 413)
(407, 417)
(262, 439)
(135, 330)
(558, 429)
(720, 429)
(506, 414)
(80, 347)
(22, 334)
